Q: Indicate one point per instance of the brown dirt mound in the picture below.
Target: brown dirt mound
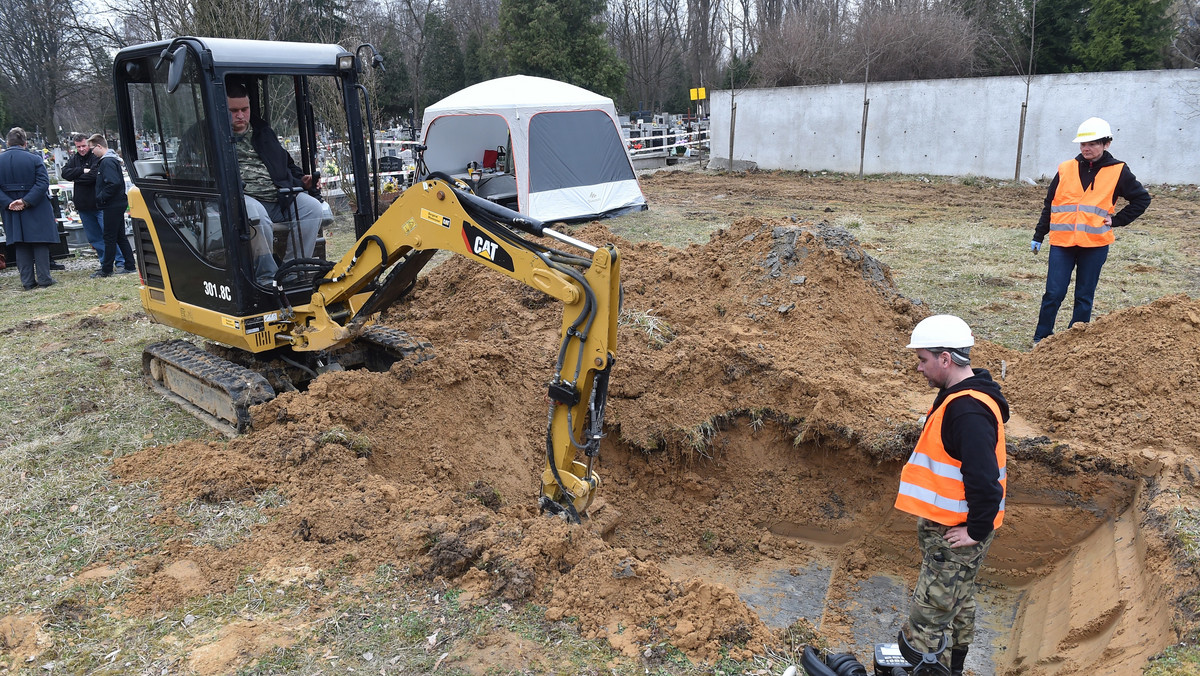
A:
(751, 372)
(768, 317)
(765, 317)
(1131, 376)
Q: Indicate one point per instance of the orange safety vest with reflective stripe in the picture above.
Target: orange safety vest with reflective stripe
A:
(1077, 215)
(931, 484)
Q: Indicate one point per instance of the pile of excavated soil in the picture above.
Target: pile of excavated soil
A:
(1131, 379)
(762, 396)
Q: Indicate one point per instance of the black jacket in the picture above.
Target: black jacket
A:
(969, 431)
(85, 181)
(1128, 187)
(110, 183)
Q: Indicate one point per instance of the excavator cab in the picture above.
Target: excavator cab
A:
(194, 235)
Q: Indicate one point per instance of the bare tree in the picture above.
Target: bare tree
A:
(89, 104)
(898, 41)
(705, 24)
(473, 17)
(769, 15)
(37, 64)
(647, 36)
(1003, 48)
(805, 47)
(136, 21)
(741, 28)
(407, 18)
(1185, 48)
(819, 42)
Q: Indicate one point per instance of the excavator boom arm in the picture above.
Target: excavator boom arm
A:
(433, 215)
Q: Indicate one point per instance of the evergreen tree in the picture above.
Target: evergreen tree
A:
(739, 74)
(312, 20)
(1004, 45)
(563, 40)
(395, 94)
(483, 57)
(1060, 24)
(1125, 35)
(442, 68)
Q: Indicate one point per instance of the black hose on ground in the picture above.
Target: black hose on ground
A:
(836, 664)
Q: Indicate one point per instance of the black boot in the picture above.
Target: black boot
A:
(958, 657)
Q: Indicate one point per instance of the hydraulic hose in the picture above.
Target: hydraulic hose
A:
(366, 98)
(322, 267)
(568, 499)
(298, 365)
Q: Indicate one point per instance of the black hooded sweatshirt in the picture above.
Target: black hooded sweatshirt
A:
(969, 436)
(1128, 187)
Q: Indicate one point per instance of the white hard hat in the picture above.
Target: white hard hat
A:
(942, 331)
(1092, 129)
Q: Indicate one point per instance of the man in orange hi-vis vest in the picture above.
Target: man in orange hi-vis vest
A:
(954, 482)
(1079, 215)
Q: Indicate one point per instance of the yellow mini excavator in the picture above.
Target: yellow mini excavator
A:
(200, 250)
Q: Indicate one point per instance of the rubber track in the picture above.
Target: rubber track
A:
(243, 387)
(414, 350)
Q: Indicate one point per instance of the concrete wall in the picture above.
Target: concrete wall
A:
(967, 126)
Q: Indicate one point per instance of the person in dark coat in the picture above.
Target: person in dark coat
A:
(27, 214)
(110, 198)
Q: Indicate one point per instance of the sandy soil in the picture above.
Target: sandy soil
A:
(764, 422)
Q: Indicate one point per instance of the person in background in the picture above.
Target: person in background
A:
(1079, 216)
(110, 198)
(955, 483)
(81, 170)
(27, 214)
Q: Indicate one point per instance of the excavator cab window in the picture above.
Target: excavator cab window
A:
(172, 130)
(173, 156)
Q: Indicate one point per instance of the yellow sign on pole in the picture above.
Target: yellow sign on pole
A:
(699, 93)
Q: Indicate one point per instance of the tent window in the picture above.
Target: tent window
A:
(457, 140)
(577, 148)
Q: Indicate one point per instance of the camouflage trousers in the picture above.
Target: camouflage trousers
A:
(944, 598)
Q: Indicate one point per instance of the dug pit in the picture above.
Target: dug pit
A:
(761, 408)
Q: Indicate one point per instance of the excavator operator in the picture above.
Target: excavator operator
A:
(272, 183)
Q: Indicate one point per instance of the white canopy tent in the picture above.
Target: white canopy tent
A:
(563, 154)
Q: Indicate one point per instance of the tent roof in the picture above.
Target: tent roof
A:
(518, 91)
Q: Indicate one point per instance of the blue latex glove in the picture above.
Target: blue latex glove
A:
(1035, 246)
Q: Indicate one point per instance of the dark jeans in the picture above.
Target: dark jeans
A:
(93, 227)
(115, 239)
(1086, 261)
